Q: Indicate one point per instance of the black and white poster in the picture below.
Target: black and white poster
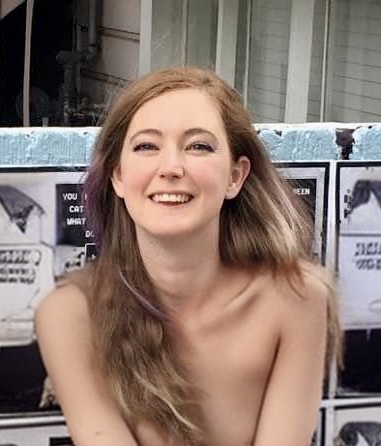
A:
(37, 431)
(310, 180)
(358, 426)
(42, 235)
(358, 199)
(318, 437)
(359, 243)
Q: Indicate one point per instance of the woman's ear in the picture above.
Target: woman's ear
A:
(240, 171)
(116, 180)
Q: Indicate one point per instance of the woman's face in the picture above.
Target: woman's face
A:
(176, 169)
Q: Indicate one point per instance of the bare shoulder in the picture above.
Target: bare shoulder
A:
(63, 330)
(304, 298)
(65, 303)
(299, 310)
(313, 285)
(64, 334)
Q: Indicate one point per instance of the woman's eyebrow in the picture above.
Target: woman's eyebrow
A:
(189, 132)
(197, 131)
(154, 132)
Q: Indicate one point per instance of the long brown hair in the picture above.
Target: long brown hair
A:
(265, 225)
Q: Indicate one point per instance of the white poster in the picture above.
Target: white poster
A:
(358, 426)
(359, 243)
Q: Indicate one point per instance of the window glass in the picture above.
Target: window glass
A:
(184, 32)
(202, 33)
(268, 59)
(355, 65)
(168, 27)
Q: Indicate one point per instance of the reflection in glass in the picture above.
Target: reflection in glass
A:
(356, 66)
(202, 33)
(268, 59)
(167, 33)
(184, 32)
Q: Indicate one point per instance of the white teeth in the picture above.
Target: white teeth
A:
(171, 198)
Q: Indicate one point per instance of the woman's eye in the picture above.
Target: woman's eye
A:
(201, 147)
(144, 147)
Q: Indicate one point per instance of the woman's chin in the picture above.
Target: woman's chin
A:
(179, 234)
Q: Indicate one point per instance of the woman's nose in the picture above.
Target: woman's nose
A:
(171, 165)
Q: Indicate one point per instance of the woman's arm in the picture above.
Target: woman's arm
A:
(289, 412)
(63, 333)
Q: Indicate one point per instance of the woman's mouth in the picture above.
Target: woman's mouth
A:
(171, 198)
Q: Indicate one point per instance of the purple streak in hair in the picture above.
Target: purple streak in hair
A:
(91, 194)
(158, 314)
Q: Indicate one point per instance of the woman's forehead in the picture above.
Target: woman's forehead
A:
(188, 108)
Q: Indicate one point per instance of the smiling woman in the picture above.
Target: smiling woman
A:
(175, 174)
(203, 320)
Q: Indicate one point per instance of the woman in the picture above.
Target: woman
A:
(203, 320)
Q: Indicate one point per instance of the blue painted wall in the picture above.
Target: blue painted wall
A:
(73, 145)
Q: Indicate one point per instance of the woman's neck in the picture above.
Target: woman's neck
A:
(182, 271)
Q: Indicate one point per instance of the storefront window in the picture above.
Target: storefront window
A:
(344, 63)
(356, 62)
(268, 59)
(346, 66)
(202, 33)
(184, 32)
(168, 38)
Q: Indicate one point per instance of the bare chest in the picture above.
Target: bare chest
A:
(230, 363)
(231, 368)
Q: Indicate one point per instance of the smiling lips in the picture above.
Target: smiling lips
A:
(171, 198)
